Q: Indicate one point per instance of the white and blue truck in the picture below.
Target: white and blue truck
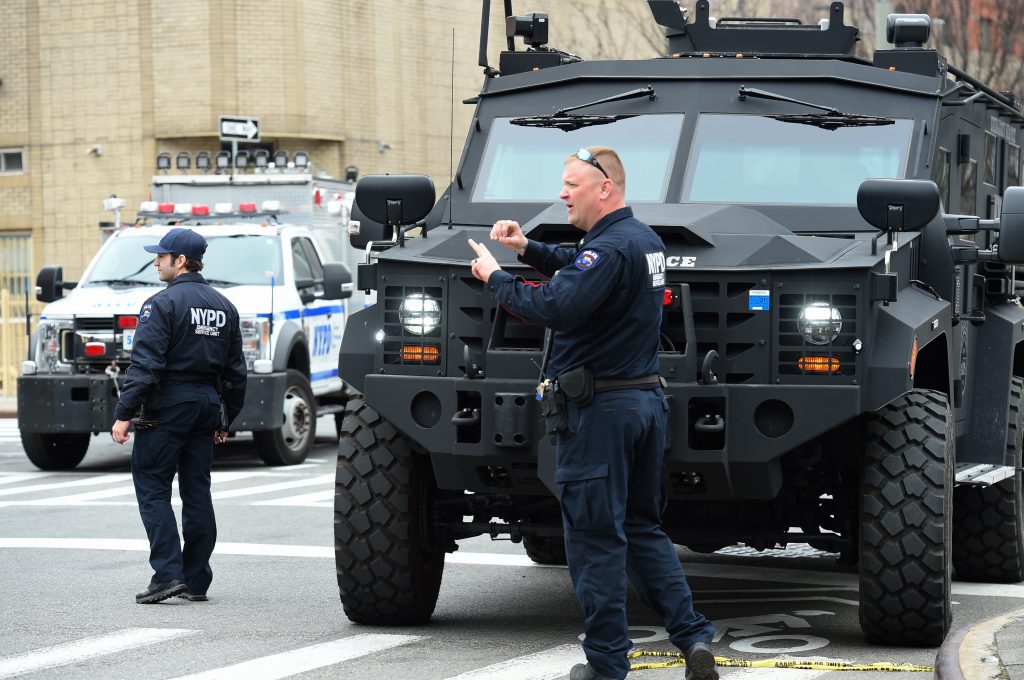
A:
(278, 249)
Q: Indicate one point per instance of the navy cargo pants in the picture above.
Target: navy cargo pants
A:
(180, 442)
(608, 470)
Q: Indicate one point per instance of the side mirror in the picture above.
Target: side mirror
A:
(1011, 227)
(898, 204)
(50, 283)
(337, 281)
(395, 200)
(368, 230)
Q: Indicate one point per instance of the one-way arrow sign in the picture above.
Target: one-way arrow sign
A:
(239, 129)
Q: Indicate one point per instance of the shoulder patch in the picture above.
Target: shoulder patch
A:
(147, 312)
(587, 259)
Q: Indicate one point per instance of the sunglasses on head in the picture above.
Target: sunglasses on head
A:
(587, 157)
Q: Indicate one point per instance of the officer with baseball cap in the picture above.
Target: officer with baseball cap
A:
(186, 362)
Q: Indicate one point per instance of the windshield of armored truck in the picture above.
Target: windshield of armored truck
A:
(524, 164)
(248, 260)
(758, 159)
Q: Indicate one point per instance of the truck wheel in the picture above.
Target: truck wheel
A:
(55, 451)
(388, 561)
(545, 549)
(291, 443)
(988, 521)
(906, 521)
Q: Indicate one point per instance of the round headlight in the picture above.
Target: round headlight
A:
(420, 314)
(820, 323)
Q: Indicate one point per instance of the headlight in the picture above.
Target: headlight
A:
(255, 334)
(820, 323)
(420, 314)
(49, 339)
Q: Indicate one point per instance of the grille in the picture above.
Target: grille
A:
(792, 346)
(724, 322)
(88, 323)
(406, 348)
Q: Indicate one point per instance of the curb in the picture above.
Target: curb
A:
(970, 653)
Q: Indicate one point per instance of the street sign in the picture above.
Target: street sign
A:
(239, 129)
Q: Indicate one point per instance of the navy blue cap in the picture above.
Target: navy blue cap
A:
(182, 241)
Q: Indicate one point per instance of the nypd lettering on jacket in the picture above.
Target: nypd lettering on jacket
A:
(656, 268)
(207, 321)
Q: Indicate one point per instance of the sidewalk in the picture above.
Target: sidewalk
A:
(987, 650)
(8, 407)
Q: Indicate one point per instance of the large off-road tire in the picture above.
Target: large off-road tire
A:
(388, 560)
(545, 549)
(290, 443)
(55, 451)
(906, 521)
(988, 526)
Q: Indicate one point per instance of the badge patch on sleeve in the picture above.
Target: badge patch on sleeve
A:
(587, 259)
(146, 313)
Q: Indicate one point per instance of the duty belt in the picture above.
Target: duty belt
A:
(646, 382)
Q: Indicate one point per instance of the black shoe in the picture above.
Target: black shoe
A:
(158, 592)
(700, 663)
(584, 671)
(193, 597)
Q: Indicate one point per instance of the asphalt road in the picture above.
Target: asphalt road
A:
(73, 553)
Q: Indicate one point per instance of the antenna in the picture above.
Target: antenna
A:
(451, 141)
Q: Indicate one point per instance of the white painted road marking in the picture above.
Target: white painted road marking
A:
(278, 486)
(718, 571)
(305, 659)
(547, 665)
(88, 648)
(317, 499)
(89, 481)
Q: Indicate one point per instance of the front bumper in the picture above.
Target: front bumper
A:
(498, 425)
(51, 404)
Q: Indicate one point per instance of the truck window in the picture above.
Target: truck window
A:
(525, 163)
(756, 159)
(314, 260)
(942, 176)
(969, 187)
(301, 263)
(1012, 165)
(231, 260)
(991, 147)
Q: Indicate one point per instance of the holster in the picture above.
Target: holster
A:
(577, 385)
(552, 407)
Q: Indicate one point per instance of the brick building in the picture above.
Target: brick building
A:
(92, 91)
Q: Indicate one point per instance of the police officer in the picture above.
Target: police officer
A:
(603, 304)
(187, 349)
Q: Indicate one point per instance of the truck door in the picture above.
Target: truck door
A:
(323, 320)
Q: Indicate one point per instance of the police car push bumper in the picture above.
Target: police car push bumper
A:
(55, 404)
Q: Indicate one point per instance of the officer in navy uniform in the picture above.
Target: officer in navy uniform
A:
(186, 358)
(603, 306)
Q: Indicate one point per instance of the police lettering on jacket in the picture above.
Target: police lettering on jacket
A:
(208, 321)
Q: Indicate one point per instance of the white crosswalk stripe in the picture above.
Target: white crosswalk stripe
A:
(305, 659)
(87, 648)
(16, 486)
(546, 665)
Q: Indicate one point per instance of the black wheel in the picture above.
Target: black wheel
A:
(545, 549)
(906, 521)
(55, 451)
(388, 560)
(988, 521)
(292, 442)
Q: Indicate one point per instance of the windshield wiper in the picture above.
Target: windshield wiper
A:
(565, 120)
(122, 282)
(831, 119)
(222, 282)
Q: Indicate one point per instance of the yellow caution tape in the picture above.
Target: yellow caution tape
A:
(677, 660)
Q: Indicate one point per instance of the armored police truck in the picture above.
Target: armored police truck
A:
(276, 250)
(842, 339)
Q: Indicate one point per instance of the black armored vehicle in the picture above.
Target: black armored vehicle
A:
(842, 339)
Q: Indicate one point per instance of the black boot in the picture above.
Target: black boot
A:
(158, 592)
(700, 663)
(584, 671)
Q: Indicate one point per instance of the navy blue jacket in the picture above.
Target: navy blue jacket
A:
(603, 301)
(187, 333)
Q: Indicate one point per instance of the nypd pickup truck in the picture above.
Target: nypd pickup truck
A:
(292, 305)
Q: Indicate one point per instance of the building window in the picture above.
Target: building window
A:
(12, 161)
